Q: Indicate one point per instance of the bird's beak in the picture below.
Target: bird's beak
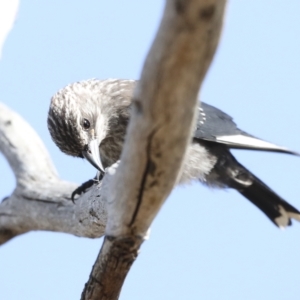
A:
(92, 154)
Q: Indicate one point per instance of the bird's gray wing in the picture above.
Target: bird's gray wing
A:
(216, 126)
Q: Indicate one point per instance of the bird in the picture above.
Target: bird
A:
(88, 119)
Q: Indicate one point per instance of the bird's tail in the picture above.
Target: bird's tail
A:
(278, 210)
(232, 174)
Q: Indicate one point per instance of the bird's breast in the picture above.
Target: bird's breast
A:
(110, 150)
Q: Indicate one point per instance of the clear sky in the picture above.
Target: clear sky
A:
(204, 244)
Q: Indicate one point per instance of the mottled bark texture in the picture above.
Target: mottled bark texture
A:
(158, 134)
(41, 200)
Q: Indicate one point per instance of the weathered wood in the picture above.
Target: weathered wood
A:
(41, 200)
(159, 132)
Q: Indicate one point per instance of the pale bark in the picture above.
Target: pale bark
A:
(162, 120)
(41, 200)
(160, 128)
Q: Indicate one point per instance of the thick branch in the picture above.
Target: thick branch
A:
(158, 134)
(41, 201)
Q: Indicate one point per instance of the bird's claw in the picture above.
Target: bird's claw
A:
(86, 185)
(82, 188)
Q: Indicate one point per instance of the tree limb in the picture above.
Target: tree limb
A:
(164, 108)
(159, 131)
(41, 200)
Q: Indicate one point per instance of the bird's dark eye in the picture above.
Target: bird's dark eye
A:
(86, 124)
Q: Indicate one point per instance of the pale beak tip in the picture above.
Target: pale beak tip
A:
(92, 155)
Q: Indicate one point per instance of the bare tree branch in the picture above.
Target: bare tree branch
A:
(160, 128)
(41, 200)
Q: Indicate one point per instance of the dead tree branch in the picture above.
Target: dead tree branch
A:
(41, 200)
(159, 132)
(164, 108)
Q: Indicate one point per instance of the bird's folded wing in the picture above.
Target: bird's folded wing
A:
(216, 126)
(250, 142)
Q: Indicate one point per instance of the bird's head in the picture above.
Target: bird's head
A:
(85, 113)
(75, 121)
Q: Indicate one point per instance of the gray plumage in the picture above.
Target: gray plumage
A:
(97, 112)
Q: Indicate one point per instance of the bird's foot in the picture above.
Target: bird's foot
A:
(86, 185)
(99, 176)
(82, 188)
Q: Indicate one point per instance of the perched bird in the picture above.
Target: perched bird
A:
(88, 119)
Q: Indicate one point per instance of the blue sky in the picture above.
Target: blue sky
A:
(204, 244)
